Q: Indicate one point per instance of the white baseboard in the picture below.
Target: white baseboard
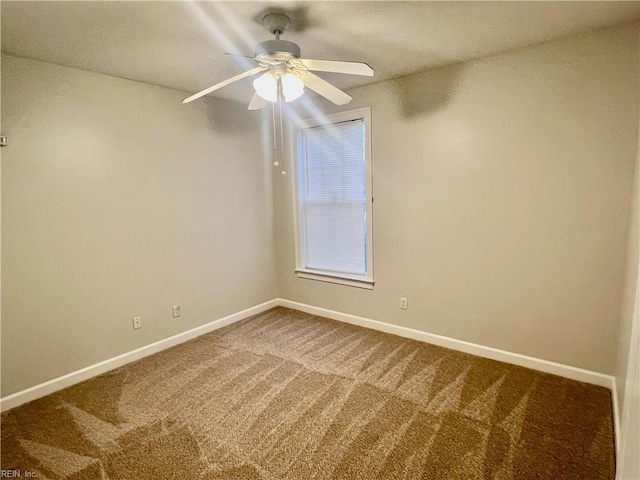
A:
(78, 376)
(616, 415)
(72, 378)
(566, 371)
(546, 366)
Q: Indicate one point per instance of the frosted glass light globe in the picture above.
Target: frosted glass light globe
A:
(292, 87)
(267, 87)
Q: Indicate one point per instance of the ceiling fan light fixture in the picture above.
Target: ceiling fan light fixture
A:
(267, 87)
(292, 87)
(285, 75)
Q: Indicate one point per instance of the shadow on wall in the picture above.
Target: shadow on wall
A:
(422, 93)
(230, 117)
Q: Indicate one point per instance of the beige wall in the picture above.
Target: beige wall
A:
(502, 192)
(117, 200)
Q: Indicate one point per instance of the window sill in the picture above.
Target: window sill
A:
(351, 282)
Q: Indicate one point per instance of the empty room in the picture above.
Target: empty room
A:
(320, 240)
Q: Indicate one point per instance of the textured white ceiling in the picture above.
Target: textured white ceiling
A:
(182, 44)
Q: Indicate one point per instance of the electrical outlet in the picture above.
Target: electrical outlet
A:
(176, 311)
(137, 323)
(403, 303)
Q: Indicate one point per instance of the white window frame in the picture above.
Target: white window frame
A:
(361, 281)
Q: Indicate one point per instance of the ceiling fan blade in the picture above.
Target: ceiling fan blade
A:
(204, 92)
(238, 55)
(257, 102)
(261, 61)
(325, 89)
(335, 66)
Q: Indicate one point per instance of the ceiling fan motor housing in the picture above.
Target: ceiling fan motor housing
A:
(272, 48)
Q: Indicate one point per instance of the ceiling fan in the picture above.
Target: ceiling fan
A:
(285, 73)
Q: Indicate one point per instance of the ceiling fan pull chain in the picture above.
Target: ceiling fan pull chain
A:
(281, 128)
(275, 139)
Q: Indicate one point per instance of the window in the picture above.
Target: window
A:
(334, 199)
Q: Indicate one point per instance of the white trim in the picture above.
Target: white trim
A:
(72, 378)
(78, 376)
(365, 280)
(546, 366)
(622, 415)
(308, 274)
(617, 432)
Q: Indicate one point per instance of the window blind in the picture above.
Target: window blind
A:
(333, 200)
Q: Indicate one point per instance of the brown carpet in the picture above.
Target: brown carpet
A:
(286, 395)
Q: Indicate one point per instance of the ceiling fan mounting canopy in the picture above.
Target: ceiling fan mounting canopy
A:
(276, 23)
